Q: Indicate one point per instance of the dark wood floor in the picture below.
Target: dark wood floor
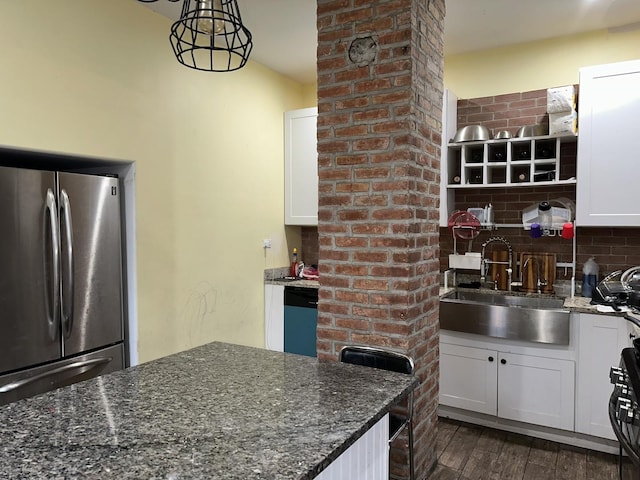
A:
(469, 452)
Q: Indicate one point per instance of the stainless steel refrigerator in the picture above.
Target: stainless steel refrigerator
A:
(61, 287)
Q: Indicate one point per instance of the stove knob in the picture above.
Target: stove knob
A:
(622, 390)
(625, 410)
(616, 375)
(620, 402)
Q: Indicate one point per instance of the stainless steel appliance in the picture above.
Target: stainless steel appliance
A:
(611, 291)
(61, 301)
(624, 412)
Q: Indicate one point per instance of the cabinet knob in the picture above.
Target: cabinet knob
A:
(632, 335)
(503, 361)
(490, 359)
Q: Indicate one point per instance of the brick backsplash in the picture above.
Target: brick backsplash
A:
(505, 112)
(508, 204)
(613, 248)
(310, 246)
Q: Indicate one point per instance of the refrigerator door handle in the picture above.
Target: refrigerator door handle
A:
(67, 285)
(52, 292)
(93, 363)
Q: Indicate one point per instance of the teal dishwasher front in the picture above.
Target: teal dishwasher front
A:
(300, 320)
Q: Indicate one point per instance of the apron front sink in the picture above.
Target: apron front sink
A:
(500, 315)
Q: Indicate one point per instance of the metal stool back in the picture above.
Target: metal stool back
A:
(395, 362)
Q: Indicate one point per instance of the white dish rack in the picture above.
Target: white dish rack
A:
(468, 261)
(559, 216)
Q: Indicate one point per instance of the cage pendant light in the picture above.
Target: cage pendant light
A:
(210, 36)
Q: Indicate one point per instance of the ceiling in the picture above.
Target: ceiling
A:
(284, 31)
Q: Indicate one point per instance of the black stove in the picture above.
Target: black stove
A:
(624, 410)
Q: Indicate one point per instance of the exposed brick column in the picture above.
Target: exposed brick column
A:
(379, 122)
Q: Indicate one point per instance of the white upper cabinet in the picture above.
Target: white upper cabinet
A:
(301, 167)
(609, 145)
(449, 125)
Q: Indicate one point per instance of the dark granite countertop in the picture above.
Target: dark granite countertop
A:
(294, 283)
(279, 276)
(218, 411)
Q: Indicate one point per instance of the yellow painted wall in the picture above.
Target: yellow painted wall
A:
(536, 65)
(99, 78)
(310, 95)
(529, 66)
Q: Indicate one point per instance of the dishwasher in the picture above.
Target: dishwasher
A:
(300, 320)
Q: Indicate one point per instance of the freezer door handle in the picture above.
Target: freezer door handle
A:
(67, 252)
(52, 287)
(85, 364)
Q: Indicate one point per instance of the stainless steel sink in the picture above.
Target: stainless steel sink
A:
(514, 317)
(488, 298)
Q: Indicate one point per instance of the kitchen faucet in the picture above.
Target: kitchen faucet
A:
(540, 281)
(484, 262)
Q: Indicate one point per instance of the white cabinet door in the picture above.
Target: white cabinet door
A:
(608, 146)
(602, 338)
(449, 126)
(468, 378)
(301, 167)
(536, 390)
(274, 317)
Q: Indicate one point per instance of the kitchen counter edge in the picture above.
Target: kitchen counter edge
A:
(216, 411)
(294, 283)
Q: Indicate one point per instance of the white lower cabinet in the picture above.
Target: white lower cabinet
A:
(536, 390)
(274, 317)
(524, 388)
(469, 378)
(366, 459)
(602, 337)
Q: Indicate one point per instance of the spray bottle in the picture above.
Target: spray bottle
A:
(589, 277)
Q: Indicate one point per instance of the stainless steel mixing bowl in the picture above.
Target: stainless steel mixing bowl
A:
(472, 133)
(533, 130)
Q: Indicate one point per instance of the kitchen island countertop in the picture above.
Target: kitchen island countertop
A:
(217, 411)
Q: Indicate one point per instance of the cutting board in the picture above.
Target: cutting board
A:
(499, 272)
(547, 262)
